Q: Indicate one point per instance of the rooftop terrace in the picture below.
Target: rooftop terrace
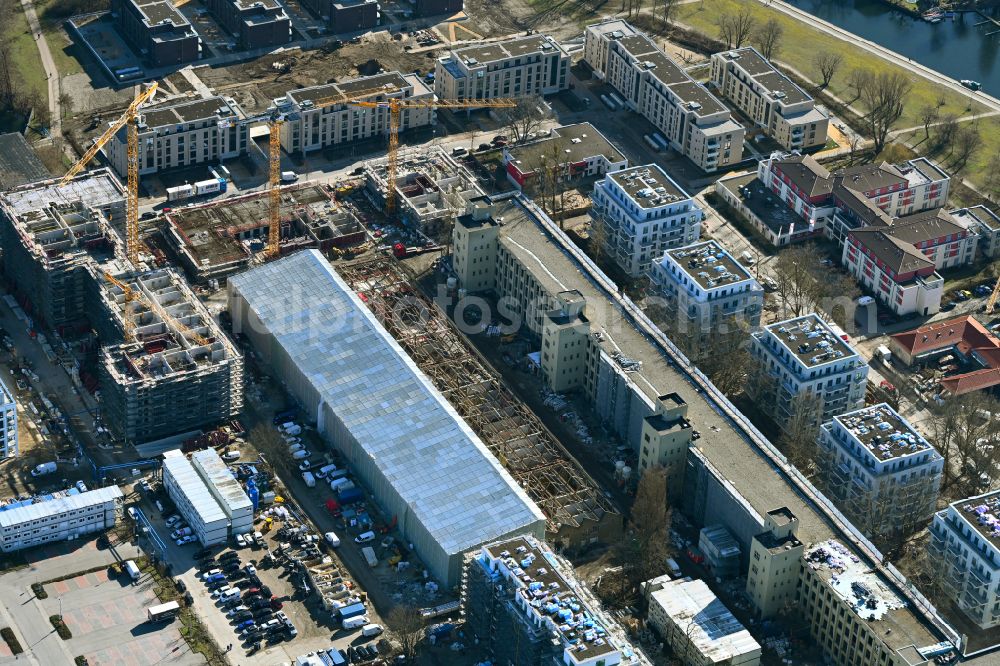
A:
(391, 82)
(649, 186)
(982, 513)
(512, 48)
(811, 340)
(709, 265)
(186, 112)
(883, 432)
(572, 143)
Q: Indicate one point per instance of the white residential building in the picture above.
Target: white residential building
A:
(8, 422)
(194, 499)
(694, 122)
(965, 547)
(804, 364)
(776, 105)
(700, 630)
(68, 515)
(314, 125)
(879, 471)
(706, 291)
(983, 222)
(203, 131)
(644, 213)
(518, 67)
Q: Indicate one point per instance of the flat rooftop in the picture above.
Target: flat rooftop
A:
(511, 48)
(769, 208)
(219, 475)
(187, 112)
(727, 449)
(552, 596)
(573, 143)
(651, 58)
(811, 340)
(649, 186)
(776, 85)
(194, 488)
(709, 265)
(390, 82)
(18, 162)
(868, 595)
(158, 11)
(977, 214)
(883, 432)
(982, 513)
(705, 621)
(613, 28)
(95, 188)
(44, 506)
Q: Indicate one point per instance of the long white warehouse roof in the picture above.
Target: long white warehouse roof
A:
(56, 506)
(454, 486)
(193, 487)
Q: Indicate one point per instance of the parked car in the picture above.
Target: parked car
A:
(365, 537)
(184, 540)
(241, 542)
(210, 573)
(172, 520)
(203, 554)
(243, 616)
(238, 609)
(947, 307)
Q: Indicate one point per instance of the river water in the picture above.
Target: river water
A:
(956, 48)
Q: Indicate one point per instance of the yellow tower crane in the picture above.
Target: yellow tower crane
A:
(128, 316)
(274, 118)
(132, 154)
(992, 302)
(395, 105)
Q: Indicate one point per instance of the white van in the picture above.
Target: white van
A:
(673, 568)
(370, 630)
(335, 484)
(309, 479)
(324, 470)
(336, 474)
(365, 537)
(301, 454)
(132, 570)
(332, 539)
(298, 446)
(230, 595)
(354, 622)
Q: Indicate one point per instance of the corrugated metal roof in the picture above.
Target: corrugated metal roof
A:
(193, 487)
(436, 463)
(219, 475)
(59, 505)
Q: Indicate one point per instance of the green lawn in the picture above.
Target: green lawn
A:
(801, 42)
(27, 68)
(979, 168)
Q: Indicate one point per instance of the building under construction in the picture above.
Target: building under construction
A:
(180, 372)
(52, 234)
(576, 511)
(218, 239)
(431, 188)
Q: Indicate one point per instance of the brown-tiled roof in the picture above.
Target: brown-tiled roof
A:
(860, 205)
(966, 334)
(868, 177)
(972, 381)
(807, 174)
(898, 255)
(925, 225)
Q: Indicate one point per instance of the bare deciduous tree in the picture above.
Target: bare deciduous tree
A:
(735, 29)
(946, 131)
(408, 626)
(857, 79)
(928, 116)
(767, 38)
(668, 9)
(827, 62)
(884, 97)
(798, 435)
(967, 142)
(524, 119)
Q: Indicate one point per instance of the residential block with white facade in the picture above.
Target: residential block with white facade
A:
(879, 471)
(644, 213)
(706, 292)
(314, 125)
(181, 135)
(804, 364)
(518, 67)
(784, 111)
(965, 549)
(692, 119)
(8, 422)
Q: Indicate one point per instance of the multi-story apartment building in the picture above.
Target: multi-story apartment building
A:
(313, 126)
(580, 151)
(694, 122)
(965, 549)
(524, 605)
(254, 23)
(705, 292)
(665, 440)
(58, 517)
(776, 105)
(688, 616)
(879, 471)
(346, 15)
(983, 222)
(972, 344)
(644, 213)
(157, 30)
(835, 203)
(8, 422)
(804, 365)
(435, 7)
(518, 67)
(775, 564)
(181, 135)
(855, 616)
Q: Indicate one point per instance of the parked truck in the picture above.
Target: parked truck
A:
(369, 554)
(43, 469)
(349, 496)
(161, 612)
(185, 191)
(210, 186)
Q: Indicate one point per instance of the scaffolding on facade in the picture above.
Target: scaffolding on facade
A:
(512, 432)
